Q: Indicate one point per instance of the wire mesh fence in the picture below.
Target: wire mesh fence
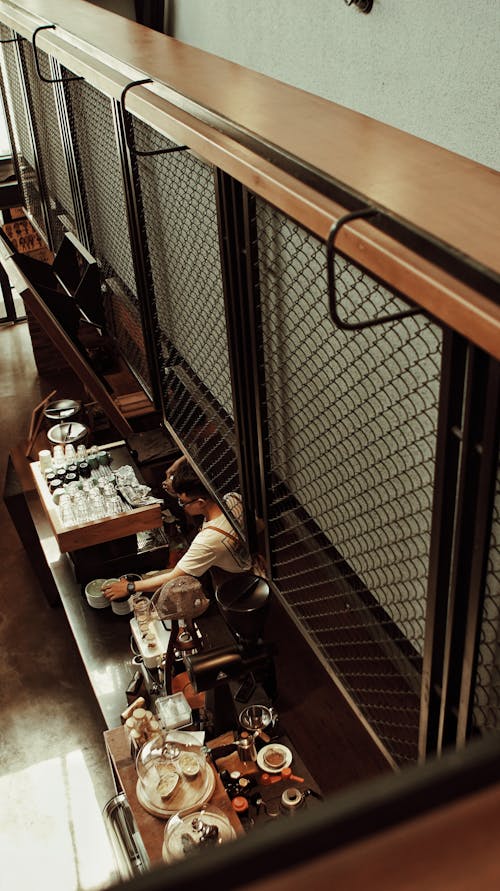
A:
(22, 143)
(352, 430)
(102, 189)
(52, 162)
(91, 115)
(178, 195)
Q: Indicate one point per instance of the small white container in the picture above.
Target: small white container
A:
(174, 711)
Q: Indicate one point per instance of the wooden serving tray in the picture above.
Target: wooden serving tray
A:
(72, 538)
(190, 795)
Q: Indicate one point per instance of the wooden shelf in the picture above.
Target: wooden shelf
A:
(73, 538)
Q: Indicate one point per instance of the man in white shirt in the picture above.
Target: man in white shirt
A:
(216, 547)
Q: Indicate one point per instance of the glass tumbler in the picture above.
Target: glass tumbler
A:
(141, 606)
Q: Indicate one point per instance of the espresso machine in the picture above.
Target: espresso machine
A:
(167, 640)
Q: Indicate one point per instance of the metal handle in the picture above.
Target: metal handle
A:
(365, 213)
(48, 80)
(131, 148)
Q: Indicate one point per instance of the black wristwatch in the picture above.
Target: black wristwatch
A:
(130, 588)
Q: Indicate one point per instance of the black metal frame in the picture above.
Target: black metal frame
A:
(236, 247)
(47, 80)
(62, 99)
(368, 213)
(28, 101)
(466, 464)
(131, 147)
(484, 445)
(140, 254)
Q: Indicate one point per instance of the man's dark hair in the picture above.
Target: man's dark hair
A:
(186, 480)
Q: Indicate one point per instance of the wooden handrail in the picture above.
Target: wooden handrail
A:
(305, 155)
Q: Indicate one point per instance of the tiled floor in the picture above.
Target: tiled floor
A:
(54, 773)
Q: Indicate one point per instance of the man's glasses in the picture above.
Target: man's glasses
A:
(186, 503)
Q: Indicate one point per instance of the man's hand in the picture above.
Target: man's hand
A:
(169, 475)
(115, 590)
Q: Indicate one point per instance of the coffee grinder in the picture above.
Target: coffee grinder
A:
(235, 675)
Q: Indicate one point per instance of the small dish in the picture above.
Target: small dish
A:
(274, 749)
(168, 781)
(189, 764)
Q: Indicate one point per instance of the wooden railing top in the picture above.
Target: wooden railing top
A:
(297, 150)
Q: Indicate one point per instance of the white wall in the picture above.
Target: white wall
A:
(430, 67)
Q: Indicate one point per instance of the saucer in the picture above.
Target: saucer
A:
(283, 750)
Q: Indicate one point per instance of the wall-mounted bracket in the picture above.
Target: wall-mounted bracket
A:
(365, 213)
(361, 5)
(48, 80)
(131, 148)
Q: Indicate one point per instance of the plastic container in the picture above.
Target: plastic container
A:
(174, 711)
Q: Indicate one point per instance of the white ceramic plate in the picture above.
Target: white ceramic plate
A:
(285, 751)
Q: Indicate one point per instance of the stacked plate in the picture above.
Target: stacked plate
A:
(94, 595)
(122, 606)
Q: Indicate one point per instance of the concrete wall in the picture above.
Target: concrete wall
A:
(431, 69)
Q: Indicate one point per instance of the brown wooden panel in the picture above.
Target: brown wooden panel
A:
(453, 848)
(63, 344)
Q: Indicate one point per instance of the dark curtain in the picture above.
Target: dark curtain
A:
(150, 13)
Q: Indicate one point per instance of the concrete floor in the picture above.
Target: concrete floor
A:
(54, 773)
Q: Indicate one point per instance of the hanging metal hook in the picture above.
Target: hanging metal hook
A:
(131, 148)
(48, 80)
(365, 213)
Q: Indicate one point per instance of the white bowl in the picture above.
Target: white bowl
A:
(123, 607)
(120, 607)
(94, 595)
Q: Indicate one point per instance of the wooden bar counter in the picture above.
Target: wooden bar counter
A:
(152, 828)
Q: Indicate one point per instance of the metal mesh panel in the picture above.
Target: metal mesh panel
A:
(123, 321)
(93, 127)
(52, 161)
(352, 430)
(181, 224)
(91, 121)
(487, 690)
(12, 84)
(22, 144)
